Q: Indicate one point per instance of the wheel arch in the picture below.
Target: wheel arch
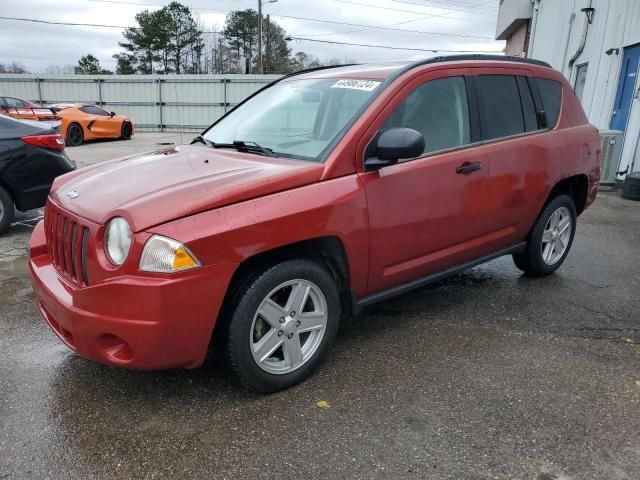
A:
(576, 186)
(4, 184)
(328, 251)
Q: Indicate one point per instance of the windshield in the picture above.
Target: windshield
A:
(295, 118)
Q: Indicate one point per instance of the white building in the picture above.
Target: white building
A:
(596, 44)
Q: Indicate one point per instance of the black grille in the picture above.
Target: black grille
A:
(67, 241)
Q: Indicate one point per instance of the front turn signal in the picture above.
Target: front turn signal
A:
(165, 255)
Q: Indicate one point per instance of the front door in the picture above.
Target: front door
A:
(426, 214)
(626, 88)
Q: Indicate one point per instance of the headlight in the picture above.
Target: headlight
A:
(164, 255)
(117, 241)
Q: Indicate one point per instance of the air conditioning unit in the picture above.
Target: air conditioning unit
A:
(611, 150)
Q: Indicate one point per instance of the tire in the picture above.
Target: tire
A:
(75, 135)
(541, 257)
(276, 293)
(126, 131)
(7, 210)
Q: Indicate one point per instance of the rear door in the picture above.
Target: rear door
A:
(425, 214)
(520, 168)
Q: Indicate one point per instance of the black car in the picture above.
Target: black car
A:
(31, 156)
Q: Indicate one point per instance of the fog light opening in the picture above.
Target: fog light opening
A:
(115, 349)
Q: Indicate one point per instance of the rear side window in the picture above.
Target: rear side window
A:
(551, 94)
(499, 105)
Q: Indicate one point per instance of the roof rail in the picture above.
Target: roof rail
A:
(314, 69)
(479, 56)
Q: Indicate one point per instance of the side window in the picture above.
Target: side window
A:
(94, 111)
(499, 104)
(3, 103)
(15, 102)
(438, 109)
(581, 79)
(551, 93)
(528, 107)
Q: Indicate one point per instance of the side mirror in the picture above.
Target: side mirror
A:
(395, 144)
(112, 114)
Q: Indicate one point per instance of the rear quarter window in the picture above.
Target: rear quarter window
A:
(551, 94)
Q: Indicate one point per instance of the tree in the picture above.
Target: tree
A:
(125, 63)
(241, 33)
(185, 39)
(90, 65)
(302, 60)
(13, 67)
(59, 69)
(277, 52)
(166, 40)
(148, 42)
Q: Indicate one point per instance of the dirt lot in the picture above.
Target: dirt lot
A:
(489, 375)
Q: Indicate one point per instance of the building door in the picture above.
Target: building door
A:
(626, 88)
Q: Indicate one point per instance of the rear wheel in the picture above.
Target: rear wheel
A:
(7, 210)
(282, 325)
(550, 239)
(75, 135)
(126, 131)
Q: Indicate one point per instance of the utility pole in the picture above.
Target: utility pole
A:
(267, 50)
(260, 37)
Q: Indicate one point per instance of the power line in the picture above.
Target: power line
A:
(449, 9)
(430, 50)
(319, 20)
(73, 24)
(473, 6)
(122, 27)
(410, 11)
(33, 20)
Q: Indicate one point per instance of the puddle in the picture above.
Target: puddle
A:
(16, 268)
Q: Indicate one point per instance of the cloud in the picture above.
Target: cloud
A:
(38, 45)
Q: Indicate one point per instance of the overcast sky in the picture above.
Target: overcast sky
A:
(453, 25)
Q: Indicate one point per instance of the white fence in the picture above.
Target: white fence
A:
(154, 102)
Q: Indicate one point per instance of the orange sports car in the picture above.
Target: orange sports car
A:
(82, 122)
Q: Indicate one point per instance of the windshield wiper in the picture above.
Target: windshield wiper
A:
(201, 139)
(246, 147)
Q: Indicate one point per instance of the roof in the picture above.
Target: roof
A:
(385, 70)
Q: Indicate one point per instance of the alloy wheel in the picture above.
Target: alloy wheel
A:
(288, 326)
(75, 135)
(556, 235)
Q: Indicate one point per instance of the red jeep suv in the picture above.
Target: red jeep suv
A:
(324, 192)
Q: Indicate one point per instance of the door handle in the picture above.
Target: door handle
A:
(469, 167)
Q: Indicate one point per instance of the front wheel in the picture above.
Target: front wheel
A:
(282, 325)
(550, 238)
(126, 131)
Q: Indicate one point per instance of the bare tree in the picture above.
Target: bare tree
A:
(59, 69)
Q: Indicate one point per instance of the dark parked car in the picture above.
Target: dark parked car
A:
(31, 156)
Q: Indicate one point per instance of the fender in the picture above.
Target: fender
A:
(237, 232)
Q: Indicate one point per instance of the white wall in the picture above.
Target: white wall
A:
(189, 102)
(555, 37)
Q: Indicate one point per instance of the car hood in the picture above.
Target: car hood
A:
(153, 188)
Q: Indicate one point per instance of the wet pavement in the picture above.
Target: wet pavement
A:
(488, 375)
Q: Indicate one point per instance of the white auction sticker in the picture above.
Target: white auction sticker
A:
(366, 85)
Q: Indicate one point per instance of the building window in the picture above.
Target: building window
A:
(581, 79)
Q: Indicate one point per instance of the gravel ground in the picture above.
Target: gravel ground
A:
(488, 375)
